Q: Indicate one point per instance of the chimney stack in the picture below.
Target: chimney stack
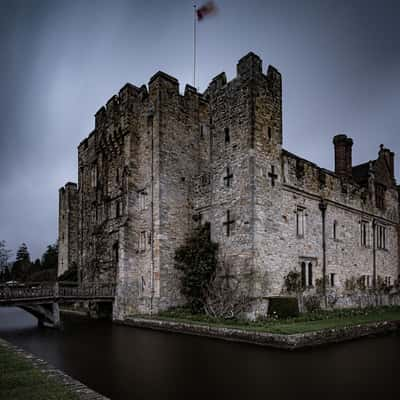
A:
(389, 158)
(343, 155)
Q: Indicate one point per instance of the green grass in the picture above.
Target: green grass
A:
(305, 323)
(21, 380)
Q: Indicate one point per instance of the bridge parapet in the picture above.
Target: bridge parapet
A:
(56, 292)
(87, 291)
(21, 292)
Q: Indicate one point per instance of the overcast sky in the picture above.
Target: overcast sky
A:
(62, 60)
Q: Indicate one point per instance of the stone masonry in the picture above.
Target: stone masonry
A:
(158, 163)
(68, 227)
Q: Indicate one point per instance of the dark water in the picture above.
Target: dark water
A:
(128, 363)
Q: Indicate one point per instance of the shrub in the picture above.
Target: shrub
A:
(225, 298)
(312, 303)
(397, 284)
(332, 297)
(381, 285)
(283, 307)
(361, 285)
(319, 286)
(293, 282)
(351, 284)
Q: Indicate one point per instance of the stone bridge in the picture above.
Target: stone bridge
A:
(43, 300)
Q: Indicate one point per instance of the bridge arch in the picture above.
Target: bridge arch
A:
(42, 301)
(47, 314)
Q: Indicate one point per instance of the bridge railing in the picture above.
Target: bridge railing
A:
(21, 292)
(92, 290)
(31, 291)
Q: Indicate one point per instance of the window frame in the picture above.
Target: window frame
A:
(365, 233)
(332, 279)
(142, 241)
(300, 222)
(142, 199)
(335, 230)
(307, 274)
(381, 237)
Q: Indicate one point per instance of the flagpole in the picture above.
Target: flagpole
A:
(194, 45)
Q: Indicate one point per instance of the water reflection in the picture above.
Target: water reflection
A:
(127, 363)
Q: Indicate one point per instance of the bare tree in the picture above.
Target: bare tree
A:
(225, 297)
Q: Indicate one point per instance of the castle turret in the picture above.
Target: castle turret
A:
(67, 227)
(249, 66)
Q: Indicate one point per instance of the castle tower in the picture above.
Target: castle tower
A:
(246, 137)
(67, 228)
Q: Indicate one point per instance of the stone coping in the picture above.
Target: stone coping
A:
(280, 341)
(81, 390)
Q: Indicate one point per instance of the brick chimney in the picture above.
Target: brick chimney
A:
(343, 155)
(389, 158)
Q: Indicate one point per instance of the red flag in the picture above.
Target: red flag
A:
(207, 9)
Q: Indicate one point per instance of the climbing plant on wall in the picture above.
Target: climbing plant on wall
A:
(197, 260)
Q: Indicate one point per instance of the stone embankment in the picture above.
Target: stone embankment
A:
(281, 341)
(82, 391)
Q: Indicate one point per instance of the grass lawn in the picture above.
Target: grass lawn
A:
(21, 380)
(304, 323)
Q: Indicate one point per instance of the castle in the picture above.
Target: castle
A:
(158, 163)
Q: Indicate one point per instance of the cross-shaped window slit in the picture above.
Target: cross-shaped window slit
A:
(228, 178)
(229, 221)
(273, 175)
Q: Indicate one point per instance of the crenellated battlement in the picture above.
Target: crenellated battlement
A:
(131, 98)
(248, 68)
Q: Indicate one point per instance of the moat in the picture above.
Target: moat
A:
(127, 363)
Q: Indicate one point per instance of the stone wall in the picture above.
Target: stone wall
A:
(298, 194)
(257, 337)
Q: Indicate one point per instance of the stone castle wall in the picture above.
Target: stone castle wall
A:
(300, 189)
(159, 162)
